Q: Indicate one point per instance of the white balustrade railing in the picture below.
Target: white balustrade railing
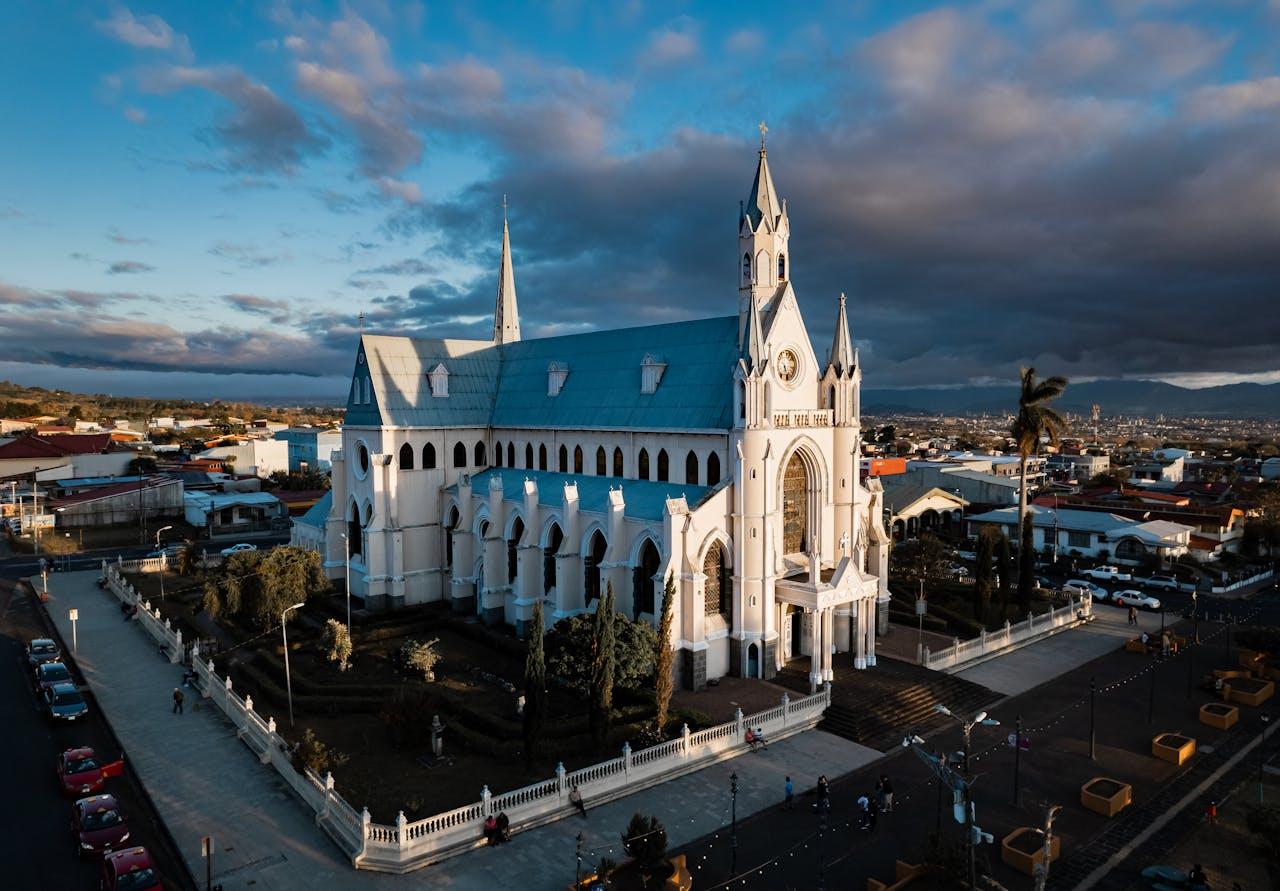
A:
(145, 564)
(962, 652)
(409, 845)
(809, 417)
(148, 617)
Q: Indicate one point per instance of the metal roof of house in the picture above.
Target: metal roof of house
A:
(1067, 520)
(318, 513)
(506, 385)
(642, 499)
(211, 501)
(899, 496)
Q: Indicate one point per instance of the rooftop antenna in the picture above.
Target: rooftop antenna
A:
(1096, 412)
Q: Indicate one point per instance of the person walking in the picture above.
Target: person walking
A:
(575, 799)
(789, 792)
(886, 794)
(177, 700)
(823, 804)
(1133, 615)
(1165, 645)
(1211, 813)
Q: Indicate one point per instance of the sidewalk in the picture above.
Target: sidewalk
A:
(206, 782)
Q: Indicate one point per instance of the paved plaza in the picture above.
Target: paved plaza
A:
(206, 782)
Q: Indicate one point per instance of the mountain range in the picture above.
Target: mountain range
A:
(1114, 397)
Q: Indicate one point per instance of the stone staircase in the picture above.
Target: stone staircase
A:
(879, 706)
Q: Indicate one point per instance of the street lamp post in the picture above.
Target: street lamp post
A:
(1151, 697)
(346, 548)
(1191, 645)
(284, 634)
(1093, 725)
(733, 831)
(967, 728)
(577, 870)
(1017, 753)
(160, 532)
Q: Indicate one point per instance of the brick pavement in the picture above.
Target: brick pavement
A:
(205, 781)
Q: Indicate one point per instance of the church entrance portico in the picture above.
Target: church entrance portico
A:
(809, 606)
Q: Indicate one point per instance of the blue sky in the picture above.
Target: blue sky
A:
(198, 199)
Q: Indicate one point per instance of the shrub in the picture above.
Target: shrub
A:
(337, 643)
(645, 841)
(314, 755)
(568, 652)
(421, 657)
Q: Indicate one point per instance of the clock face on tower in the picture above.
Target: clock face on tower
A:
(787, 365)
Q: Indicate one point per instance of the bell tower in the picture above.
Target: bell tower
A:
(764, 262)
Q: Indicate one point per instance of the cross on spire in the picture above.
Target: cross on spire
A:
(504, 207)
(763, 128)
(360, 319)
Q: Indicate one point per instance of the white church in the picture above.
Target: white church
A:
(721, 452)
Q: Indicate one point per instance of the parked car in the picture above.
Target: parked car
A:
(172, 551)
(42, 650)
(1168, 582)
(81, 772)
(98, 825)
(129, 870)
(51, 673)
(63, 702)
(1084, 586)
(1135, 598)
(1108, 573)
(238, 548)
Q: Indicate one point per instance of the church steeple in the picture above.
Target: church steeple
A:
(763, 232)
(842, 355)
(506, 318)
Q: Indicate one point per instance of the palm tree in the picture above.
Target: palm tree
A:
(1035, 419)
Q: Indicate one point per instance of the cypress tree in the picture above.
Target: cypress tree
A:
(603, 654)
(1004, 566)
(982, 575)
(663, 682)
(535, 685)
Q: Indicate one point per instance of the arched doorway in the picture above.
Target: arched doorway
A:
(795, 506)
(591, 561)
(513, 544)
(753, 660)
(645, 584)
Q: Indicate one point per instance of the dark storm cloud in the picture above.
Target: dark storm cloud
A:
(129, 267)
(276, 310)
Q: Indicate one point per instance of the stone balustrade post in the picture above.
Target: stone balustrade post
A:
(737, 723)
(248, 707)
(177, 649)
(271, 725)
(328, 796)
(626, 759)
(684, 735)
(982, 636)
(484, 801)
(560, 789)
(365, 820)
(786, 709)
(402, 836)
(226, 694)
(927, 655)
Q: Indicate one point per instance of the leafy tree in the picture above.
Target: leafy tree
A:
(188, 559)
(921, 559)
(1034, 419)
(143, 464)
(257, 586)
(75, 412)
(645, 841)
(982, 573)
(302, 481)
(535, 684)
(662, 660)
(602, 667)
(337, 643)
(314, 755)
(1004, 567)
(887, 434)
(421, 657)
(570, 652)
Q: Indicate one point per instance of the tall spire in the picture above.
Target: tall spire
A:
(842, 353)
(506, 318)
(763, 203)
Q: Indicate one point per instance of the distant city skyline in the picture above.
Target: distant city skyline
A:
(198, 200)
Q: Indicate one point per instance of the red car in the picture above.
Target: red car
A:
(80, 772)
(98, 825)
(129, 870)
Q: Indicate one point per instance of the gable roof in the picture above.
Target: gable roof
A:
(505, 385)
(56, 445)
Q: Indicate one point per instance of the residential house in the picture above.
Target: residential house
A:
(310, 448)
(1066, 531)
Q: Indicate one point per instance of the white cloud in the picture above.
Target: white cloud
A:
(669, 47)
(406, 191)
(135, 115)
(745, 40)
(144, 31)
(1222, 102)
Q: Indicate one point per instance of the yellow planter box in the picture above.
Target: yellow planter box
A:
(1023, 849)
(1248, 691)
(1106, 796)
(1219, 715)
(1174, 748)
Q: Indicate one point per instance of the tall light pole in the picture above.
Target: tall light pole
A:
(733, 832)
(346, 562)
(967, 728)
(284, 634)
(159, 532)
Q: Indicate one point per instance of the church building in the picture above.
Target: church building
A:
(721, 453)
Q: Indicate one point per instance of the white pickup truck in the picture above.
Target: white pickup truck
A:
(1110, 573)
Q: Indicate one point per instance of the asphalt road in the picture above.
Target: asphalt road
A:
(36, 821)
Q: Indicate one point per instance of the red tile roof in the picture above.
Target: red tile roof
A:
(153, 482)
(59, 445)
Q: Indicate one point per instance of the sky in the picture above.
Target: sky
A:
(199, 199)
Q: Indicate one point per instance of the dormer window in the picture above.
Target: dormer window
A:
(651, 369)
(439, 380)
(557, 372)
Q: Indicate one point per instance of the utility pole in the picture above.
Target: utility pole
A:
(1017, 751)
(1042, 871)
(577, 870)
(733, 831)
(1151, 698)
(1093, 726)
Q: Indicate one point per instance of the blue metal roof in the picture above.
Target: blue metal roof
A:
(318, 513)
(643, 499)
(506, 385)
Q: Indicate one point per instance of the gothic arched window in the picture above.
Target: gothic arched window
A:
(554, 538)
(355, 535)
(645, 582)
(617, 461)
(601, 468)
(528, 456)
(564, 460)
(663, 466)
(406, 457)
(691, 468)
(513, 543)
(497, 454)
(782, 267)
(591, 565)
(713, 469)
(642, 461)
(511, 454)
(428, 457)
(449, 529)
(459, 455)
(577, 459)
(746, 269)
(718, 587)
(480, 456)
(542, 457)
(795, 507)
